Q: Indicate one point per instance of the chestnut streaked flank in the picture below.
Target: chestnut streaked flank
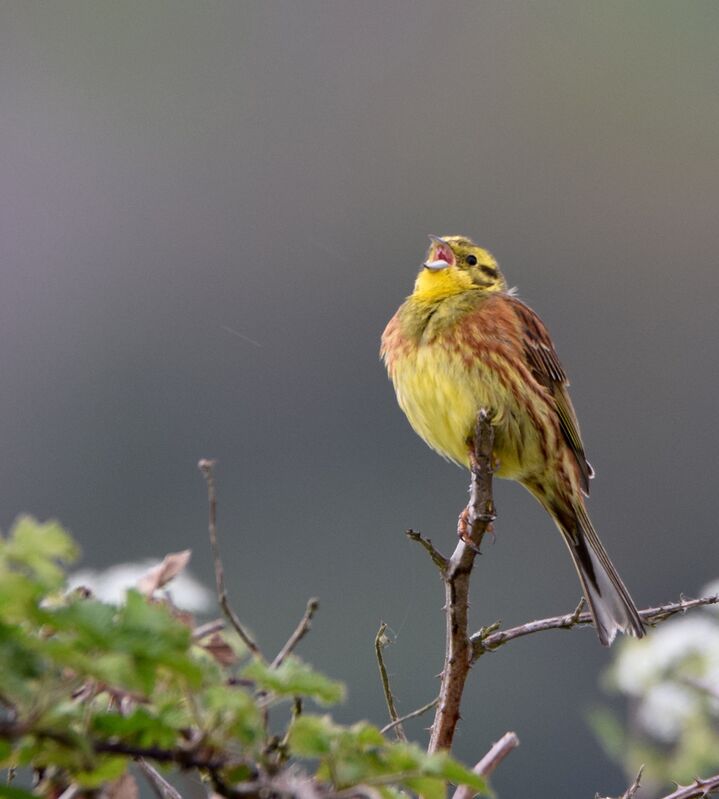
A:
(460, 342)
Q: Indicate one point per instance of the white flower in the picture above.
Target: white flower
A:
(110, 585)
(665, 709)
(677, 643)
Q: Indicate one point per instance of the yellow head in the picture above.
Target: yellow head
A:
(455, 264)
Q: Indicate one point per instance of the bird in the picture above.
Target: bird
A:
(461, 342)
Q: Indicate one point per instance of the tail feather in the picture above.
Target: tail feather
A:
(609, 601)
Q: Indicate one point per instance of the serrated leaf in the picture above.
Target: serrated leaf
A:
(295, 678)
(367, 734)
(140, 727)
(427, 787)
(312, 736)
(40, 547)
(233, 712)
(444, 766)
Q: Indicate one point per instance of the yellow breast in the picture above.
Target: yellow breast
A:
(442, 380)
(441, 397)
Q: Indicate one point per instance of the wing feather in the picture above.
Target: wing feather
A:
(547, 369)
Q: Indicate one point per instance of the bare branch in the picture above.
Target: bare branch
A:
(489, 762)
(161, 787)
(631, 791)
(699, 788)
(412, 715)
(487, 640)
(210, 628)
(300, 631)
(380, 642)
(207, 469)
(438, 558)
(474, 522)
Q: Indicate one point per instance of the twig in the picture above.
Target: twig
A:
(412, 715)
(438, 558)
(489, 762)
(207, 629)
(379, 642)
(487, 640)
(185, 758)
(207, 469)
(158, 783)
(631, 791)
(474, 522)
(300, 631)
(699, 788)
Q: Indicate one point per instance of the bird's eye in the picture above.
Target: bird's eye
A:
(471, 260)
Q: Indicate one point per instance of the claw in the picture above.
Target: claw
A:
(463, 531)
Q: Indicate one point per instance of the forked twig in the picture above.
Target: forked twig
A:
(300, 631)
(412, 715)
(207, 468)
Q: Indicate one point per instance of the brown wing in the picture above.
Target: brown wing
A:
(545, 365)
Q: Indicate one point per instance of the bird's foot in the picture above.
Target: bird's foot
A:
(464, 531)
(464, 528)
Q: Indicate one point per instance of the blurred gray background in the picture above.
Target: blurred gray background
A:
(209, 212)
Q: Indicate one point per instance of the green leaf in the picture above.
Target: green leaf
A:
(5, 753)
(312, 736)
(444, 766)
(108, 768)
(20, 665)
(295, 678)
(233, 712)
(10, 792)
(141, 728)
(39, 547)
(427, 787)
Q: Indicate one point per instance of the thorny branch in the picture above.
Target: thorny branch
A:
(490, 638)
(474, 523)
(699, 788)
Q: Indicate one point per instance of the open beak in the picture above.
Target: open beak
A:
(439, 256)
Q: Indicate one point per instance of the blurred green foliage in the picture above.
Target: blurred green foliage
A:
(88, 686)
(670, 681)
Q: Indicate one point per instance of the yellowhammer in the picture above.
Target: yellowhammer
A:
(462, 342)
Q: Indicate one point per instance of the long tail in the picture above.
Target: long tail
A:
(609, 601)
